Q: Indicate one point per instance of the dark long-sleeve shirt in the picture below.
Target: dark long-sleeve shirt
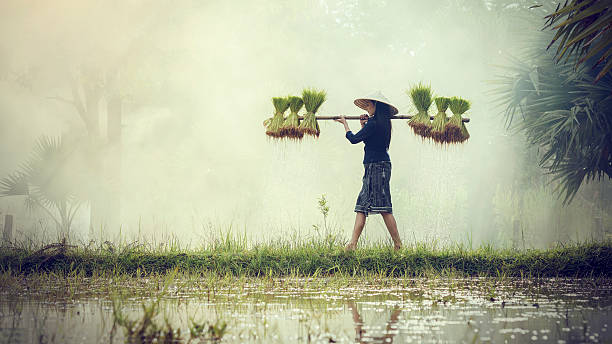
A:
(375, 138)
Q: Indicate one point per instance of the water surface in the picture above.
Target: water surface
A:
(321, 310)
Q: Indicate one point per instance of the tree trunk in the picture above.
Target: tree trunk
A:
(98, 200)
(105, 148)
(92, 103)
(8, 228)
(113, 166)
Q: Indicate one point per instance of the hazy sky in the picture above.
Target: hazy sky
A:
(197, 77)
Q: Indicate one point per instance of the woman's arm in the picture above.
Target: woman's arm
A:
(364, 133)
(362, 120)
(343, 121)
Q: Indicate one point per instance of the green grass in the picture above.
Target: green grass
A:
(312, 259)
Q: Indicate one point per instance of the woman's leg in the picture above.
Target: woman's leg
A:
(392, 228)
(359, 223)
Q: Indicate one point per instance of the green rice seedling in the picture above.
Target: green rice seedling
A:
(439, 121)
(290, 127)
(422, 98)
(455, 131)
(312, 101)
(273, 129)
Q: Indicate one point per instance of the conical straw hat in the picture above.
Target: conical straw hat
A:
(379, 97)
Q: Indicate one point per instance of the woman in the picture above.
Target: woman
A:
(374, 196)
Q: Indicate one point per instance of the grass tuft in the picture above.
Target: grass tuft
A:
(310, 258)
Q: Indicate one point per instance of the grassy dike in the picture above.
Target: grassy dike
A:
(316, 259)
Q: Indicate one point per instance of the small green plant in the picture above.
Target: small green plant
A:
(330, 237)
(324, 209)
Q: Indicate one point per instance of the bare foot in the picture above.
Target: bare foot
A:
(397, 247)
(350, 247)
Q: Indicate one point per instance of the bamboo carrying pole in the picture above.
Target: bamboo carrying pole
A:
(465, 120)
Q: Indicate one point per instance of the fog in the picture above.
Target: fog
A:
(195, 81)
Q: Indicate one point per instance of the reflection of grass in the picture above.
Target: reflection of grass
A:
(316, 259)
(249, 304)
(147, 330)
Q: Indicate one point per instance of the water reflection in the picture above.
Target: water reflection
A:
(431, 312)
(361, 335)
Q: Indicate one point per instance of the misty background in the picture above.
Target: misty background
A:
(179, 92)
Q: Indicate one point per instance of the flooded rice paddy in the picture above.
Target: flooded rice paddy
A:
(63, 309)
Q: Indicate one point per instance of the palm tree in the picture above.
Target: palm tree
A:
(565, 114)
(51, 181)
(586, 31)
(564, 107)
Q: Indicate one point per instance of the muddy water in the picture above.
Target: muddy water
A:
(320, 311)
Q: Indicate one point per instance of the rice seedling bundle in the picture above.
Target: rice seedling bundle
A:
(312, 101)
(290, 127)
(273, 128)
(439, 121)
(443, 129)
(455, 130)
(422, 99)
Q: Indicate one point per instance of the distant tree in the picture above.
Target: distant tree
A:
(52, 180)
(95, 78)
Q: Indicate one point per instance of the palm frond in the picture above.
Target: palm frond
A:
(51, 175)
(564, 113)
(14, 185)
(586, 32)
